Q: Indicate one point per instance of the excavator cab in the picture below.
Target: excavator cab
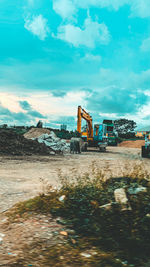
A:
(99, 132)
(100, 138)
(95, 137)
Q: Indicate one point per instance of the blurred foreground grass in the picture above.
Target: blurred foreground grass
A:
(120, 238)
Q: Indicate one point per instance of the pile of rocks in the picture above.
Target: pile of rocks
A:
(52, 141)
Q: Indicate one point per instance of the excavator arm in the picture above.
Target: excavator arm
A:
(82, 114)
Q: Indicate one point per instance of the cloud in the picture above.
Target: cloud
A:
(91, 57)
(10, 101)
(139, 8)
(53, 110)
(145, 45)
(91, 34)
(64, 8)
(30, 2)
(37, 26)
(25, 105)
(116, 101)
(8, 117)
(23, 113)
(30, 111)
(58, 93)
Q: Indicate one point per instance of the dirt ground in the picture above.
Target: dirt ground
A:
(25, 177)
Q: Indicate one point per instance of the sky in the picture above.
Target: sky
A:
(58, 54)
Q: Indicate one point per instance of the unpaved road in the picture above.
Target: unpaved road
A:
(24, 177)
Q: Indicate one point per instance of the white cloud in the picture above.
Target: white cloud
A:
(145, 45)
(115, 4)
(91, 57)
(30, 2)
(49, 105)
(92, 33)
(139, 8)
(64, 8)
(11, 102)
(38, 26)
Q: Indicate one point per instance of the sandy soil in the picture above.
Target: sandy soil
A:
(132, 144)
(24, 177)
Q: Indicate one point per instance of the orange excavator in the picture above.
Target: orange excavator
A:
(95, 137)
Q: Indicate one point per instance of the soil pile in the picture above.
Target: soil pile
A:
(133, 144)
(15, 144)
(36, 133)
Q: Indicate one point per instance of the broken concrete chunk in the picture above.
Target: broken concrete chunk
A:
(136, 190)
(62, 198)
(86, 255)
(121, 198)
(106, 206)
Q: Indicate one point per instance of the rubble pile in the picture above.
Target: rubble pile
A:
(48, 138)
(12, 143)
(56, 144)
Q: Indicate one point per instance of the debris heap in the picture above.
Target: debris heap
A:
(48, 138)
(12, 143)
(36, 132)
(52, 141)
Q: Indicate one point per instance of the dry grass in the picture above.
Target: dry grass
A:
(123, 235)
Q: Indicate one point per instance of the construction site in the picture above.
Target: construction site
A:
(43, 177)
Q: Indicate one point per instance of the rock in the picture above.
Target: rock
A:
(1, 238)
(121, 198)
(71, 231)
(61, 221)
(86, 255)
(63, 233)
(62, 198)
(136, 190)
(106, 206)
(53, 142)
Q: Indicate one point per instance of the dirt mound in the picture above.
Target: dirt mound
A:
(36, 132)
(133, 144)
(15, 144)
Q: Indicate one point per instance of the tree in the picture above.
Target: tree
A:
(125, 128)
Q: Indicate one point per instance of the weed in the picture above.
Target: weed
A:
(125, 233)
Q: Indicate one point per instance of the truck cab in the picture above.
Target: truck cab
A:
(111, 132)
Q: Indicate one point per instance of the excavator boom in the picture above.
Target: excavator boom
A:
(82, 114)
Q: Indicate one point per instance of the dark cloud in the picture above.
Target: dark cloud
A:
(58, 93)
(20, 117)
(115, 100)
(147, 118)
(36, 114)
(25, 105)
(30, 111)
(4, 112)
(13, 118)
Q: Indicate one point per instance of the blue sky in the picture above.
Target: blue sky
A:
(58, 54)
